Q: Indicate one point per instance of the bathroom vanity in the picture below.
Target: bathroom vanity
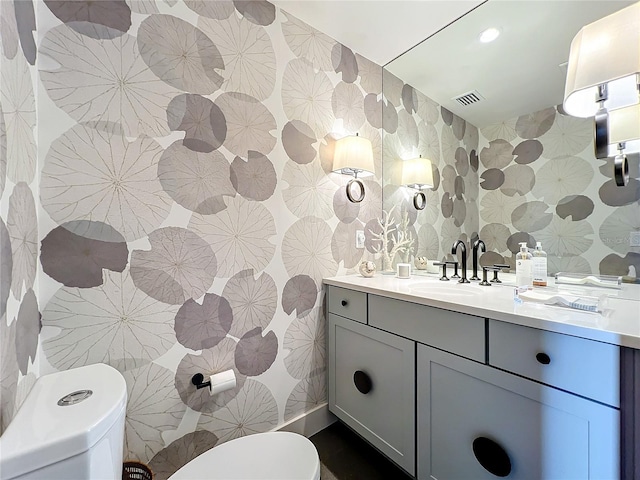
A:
(457, 381)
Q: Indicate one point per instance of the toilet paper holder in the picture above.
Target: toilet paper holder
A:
(198, 381)
(216, 383)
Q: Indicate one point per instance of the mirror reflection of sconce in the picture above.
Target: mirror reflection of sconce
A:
(624, 138)
(418, 175)
(353, 155)
(603, 78)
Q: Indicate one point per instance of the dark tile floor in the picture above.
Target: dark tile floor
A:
(347, 456)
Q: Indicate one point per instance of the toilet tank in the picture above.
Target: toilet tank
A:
(71, 426)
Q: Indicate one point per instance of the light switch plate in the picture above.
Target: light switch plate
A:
(634, 239)
(359, 238)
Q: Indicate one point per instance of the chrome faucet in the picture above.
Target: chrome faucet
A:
(454, 251)
(477, 244)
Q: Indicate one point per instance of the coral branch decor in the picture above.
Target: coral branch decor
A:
(392, 239)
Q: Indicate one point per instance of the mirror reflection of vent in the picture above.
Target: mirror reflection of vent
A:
(468, 98)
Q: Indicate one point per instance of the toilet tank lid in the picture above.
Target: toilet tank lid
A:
(43, 432)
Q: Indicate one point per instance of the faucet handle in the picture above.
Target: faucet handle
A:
(496, 268)
(444, 277)
(485, 282)
(455, 268)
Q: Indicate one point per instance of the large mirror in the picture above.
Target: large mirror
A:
(509, 165)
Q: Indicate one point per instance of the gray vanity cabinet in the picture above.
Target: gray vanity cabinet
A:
(470, 415)
(372, 386)
(448, 395)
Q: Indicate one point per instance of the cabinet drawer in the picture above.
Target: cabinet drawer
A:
(348, 303)
(578, 365)
(454, 332)
(385, 413)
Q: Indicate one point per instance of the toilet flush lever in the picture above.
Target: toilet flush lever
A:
(74, 397)
(198, 381)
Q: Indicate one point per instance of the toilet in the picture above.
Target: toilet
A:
(262, 456)
(71, 426)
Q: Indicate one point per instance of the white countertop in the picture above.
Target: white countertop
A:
(618, 323)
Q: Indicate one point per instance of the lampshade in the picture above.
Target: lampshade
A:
(623, 138)
(605, 52)
(353, 154)
(624, 128)
(624, 124)
(417, 171)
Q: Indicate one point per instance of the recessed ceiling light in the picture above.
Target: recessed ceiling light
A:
(489, 35)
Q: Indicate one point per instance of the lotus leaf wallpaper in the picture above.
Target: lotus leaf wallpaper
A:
(540, 181)
(527, 179)
(413, 124)
(173, 211)
(20, 320)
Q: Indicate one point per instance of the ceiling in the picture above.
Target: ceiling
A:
(379, 30)
(521, 72)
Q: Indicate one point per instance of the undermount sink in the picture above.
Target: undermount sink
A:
(450, 290)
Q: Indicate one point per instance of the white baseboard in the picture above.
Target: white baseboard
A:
(311, 422)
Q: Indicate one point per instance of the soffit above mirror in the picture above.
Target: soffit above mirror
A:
(522, 71)
(380, 30)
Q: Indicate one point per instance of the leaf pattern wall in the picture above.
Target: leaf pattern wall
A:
(94, 175)
(180, 54)
(581, 231)
(304, 341)
(308, 43)
(23, 233)
(19, 310)
(247, 52)
(249, 124)
(197, 181)
(306, 96)
(185, 204)
(530, 178)
(180, 265)
(19, 115)
(148, 416)
(240, 235)
(106, 81)
(114, 99)
(253, 300)
(9, 372)
(115, 323)
(253, 410)
(78, 260)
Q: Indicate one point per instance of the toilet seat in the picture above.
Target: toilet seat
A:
(263, 456)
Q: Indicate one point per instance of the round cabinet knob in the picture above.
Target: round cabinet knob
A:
(543, 358)
(493, 458)
(344, 303)
(362, 381)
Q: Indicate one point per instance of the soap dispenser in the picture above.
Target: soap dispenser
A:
(539, 266)
(524, 267)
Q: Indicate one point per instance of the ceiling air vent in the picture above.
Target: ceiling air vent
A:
(469, 98)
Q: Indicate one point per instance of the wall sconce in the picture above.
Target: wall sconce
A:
(353, 155)
(624, 138)
(604, 75)
(418, 175)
